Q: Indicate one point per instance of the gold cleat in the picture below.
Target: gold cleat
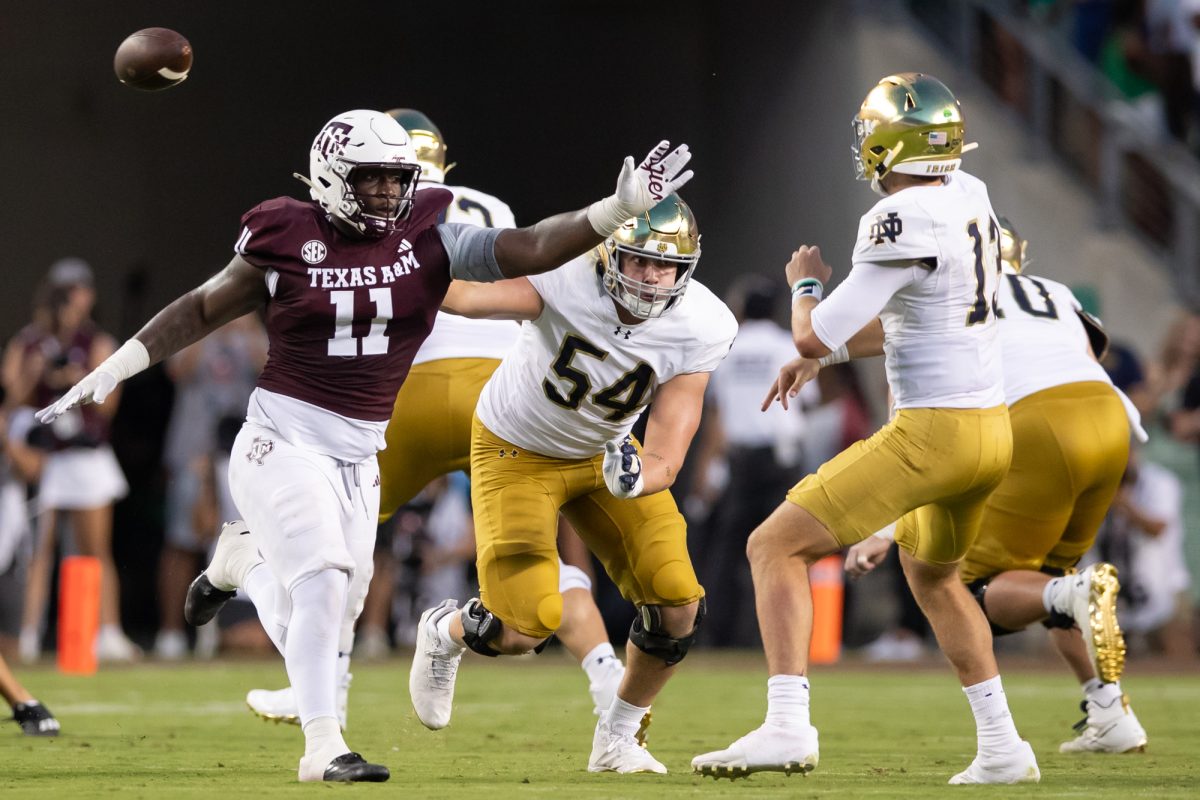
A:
(1104, 629)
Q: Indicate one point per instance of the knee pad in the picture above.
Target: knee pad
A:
(648, 635)
(570, 577)
(978, 588)
(480, 627)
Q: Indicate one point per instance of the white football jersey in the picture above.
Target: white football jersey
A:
(458, 337)
(940, 330)
(579, 377)
(1043, 342)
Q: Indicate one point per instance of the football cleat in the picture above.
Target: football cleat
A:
(35, 719)
(280, 705)
(345, 768)
(1019, 766)
(234, 556)
(1090, 598)
(614, 752)
(434, 669)
(765, 749)
(1114, 729)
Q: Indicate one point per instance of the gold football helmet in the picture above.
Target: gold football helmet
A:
(1012, 247)
(666, 232)
(909, 123)
(428, 141)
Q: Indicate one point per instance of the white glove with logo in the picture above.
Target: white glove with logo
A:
(641, 188)
(130, 359)
(623, 468)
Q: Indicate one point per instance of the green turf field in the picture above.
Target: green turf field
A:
(522, 728)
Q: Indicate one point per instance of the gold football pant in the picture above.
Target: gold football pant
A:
(429, 434)
(517, 495)
(1070, 448)
(930, 468)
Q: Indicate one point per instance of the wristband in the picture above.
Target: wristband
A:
(607, 215)
(808, 287)
(130, 359)
(839, 356)
(887, 534)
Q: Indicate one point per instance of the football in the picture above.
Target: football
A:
(152, 59)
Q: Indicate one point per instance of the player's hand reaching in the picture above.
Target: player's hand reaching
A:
(94, 388)
(130, 359)
(866, 555)
(623, 468)
(807, 263)
(641, 187)
(792, 376)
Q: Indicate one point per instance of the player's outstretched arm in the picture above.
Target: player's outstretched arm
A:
(232, 292)
(509, 299)
(555, 240)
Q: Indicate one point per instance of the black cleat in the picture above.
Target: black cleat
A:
(35, 719)
(353, 767)
(204, 601)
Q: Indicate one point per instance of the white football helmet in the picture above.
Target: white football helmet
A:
(351, 141)
(666, 232)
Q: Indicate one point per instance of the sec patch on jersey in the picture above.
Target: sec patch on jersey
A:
(153, 59)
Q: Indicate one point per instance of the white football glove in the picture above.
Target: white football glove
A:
(623, 468)
(642, 187)
(92, 389)
(130, 359)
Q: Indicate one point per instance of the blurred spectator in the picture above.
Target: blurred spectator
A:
(80, 476)
(20, 465)
(213, 381)
(434, 543)
(1143, 536)
(762, 452)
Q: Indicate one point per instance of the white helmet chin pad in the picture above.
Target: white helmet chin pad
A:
(353, 140)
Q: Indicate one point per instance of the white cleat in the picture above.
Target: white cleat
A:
(1019, 766)
(434, 669)
(1114, 729)
(765, 749)
(280, 705)
(1090, 598)
(613, 752)
(604, 689)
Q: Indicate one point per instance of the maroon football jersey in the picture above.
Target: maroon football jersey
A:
(346, 316)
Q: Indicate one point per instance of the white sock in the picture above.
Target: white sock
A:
(324, 735)
(1049, 592)
(1102, 694)
(310, 652)
(994, 728)
(787, 701)
(442, 626)
(343, 667)
(625, 718)
(268, 595)
(599, 661)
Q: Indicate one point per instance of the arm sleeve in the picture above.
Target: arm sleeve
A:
(472, 251)
(858, 300)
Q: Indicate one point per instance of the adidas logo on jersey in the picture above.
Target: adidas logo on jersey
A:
(404, 246)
